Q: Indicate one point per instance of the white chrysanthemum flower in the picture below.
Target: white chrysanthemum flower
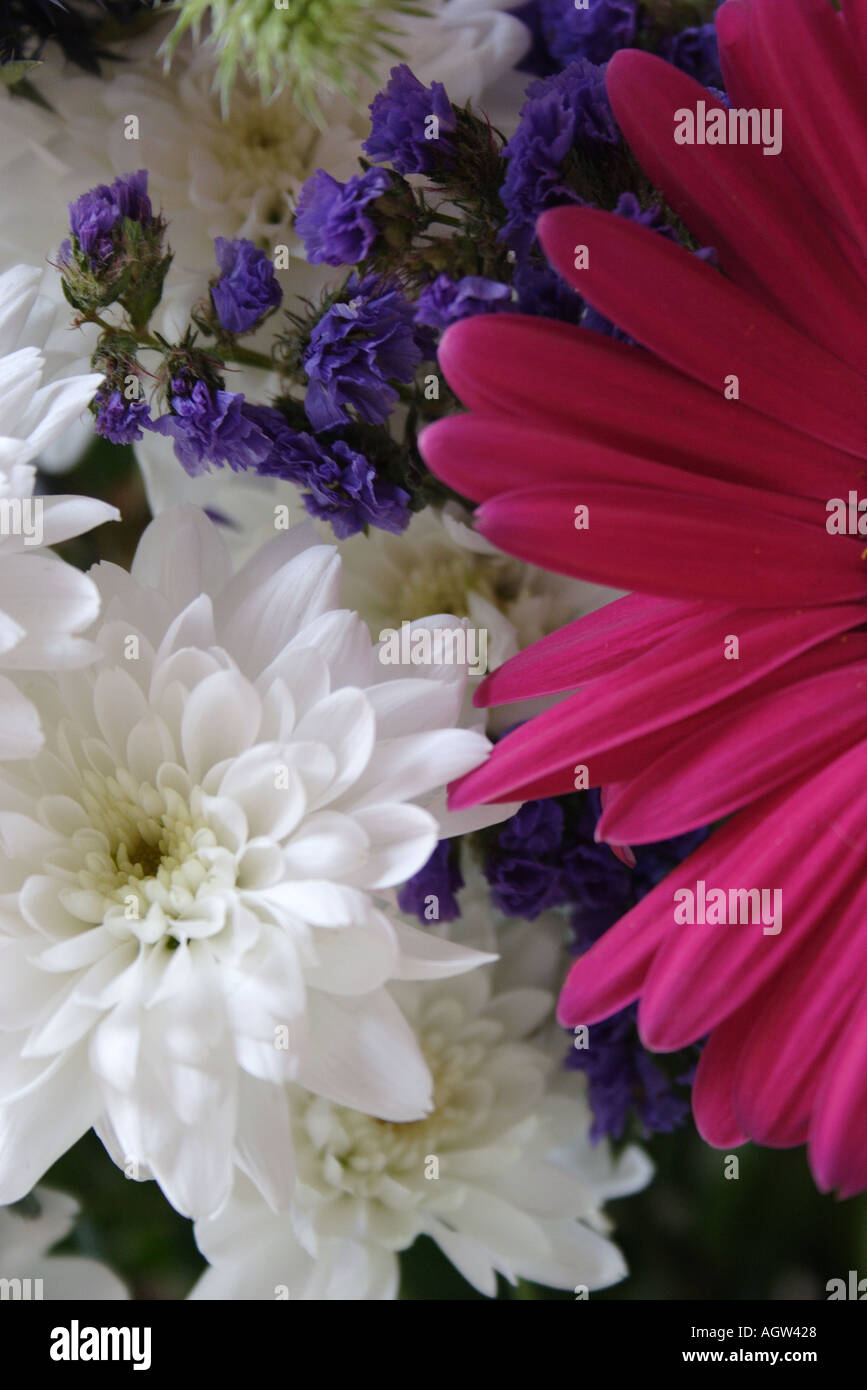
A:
(216, 174)
(28, 1271)
(501, 1174)
(44, 602)
(193, 868)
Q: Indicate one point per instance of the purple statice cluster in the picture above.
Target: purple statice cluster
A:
(247, 289)
(545, 857)
(341, 485)
(696, 52)
(348, 362)
(560, 114)
(623, 1078)
(411, 126)
(594, 32)
(563, 31)
(96, 217)
(361, 346)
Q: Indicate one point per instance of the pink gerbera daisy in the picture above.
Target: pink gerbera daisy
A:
(707, 459)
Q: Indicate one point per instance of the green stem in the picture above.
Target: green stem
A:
(246, 357)
(445, 219)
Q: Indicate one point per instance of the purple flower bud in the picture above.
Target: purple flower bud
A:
(121, 420)
(331, 217)
(247, 288)
(402, 132)
(446, 300)
(94, 216)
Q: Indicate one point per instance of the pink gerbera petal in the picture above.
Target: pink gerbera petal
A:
(713, 1087)
(714, 771)
(586, 649)
(780, 372)
(838, 1128)
(728, 552)
(717, 188)
(702, 975)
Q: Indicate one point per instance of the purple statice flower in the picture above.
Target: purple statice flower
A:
(121, 420)
(331, 218)
(401, 131)
(439, 879)
(343, 487)
(561, 113)
(623, 1078)
(523, 867)
(131, 193)
(599, 886)
(247, 288)
(95, 215)
(356, 351)
(211, 428)
(595, 32)
(537, 60)
(446, 300)
(544, 293)
(696, 52)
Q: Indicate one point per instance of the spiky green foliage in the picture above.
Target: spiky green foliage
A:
(311, 47)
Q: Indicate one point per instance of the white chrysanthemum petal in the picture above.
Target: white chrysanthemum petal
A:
(343, 642)
(65, 516)
(356, 960)
(181, 559)
(70, 1278)
(265, 1140)
(410, 766)
(251, 781)
(54, 408)
(366, 1056)
(426, 956)
(43, 1124)
(18, 289)
(44, 603)
(400, 841)
(50, 600)
(221, 720)
(20, 730)
(11, 633)
(275, 596)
